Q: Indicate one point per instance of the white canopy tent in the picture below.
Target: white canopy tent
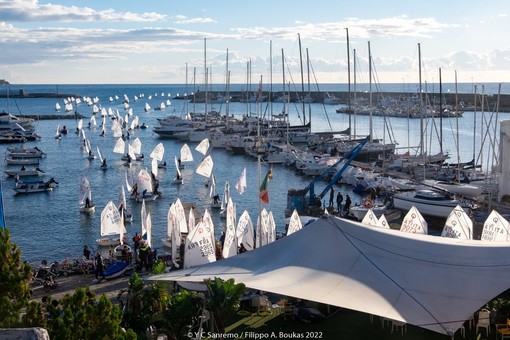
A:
(429, 281)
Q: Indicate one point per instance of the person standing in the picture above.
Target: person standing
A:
(143, 253)
(339, 199)
(99, 267)
(86, 253)
(331, 197)
(347, 206)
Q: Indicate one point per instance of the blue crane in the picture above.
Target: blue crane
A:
(296, 198)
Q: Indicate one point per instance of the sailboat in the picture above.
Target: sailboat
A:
(224, 201)
(128, 217)
(145, 187)
(86, 204)
(111, 224)
(186, 155)
(178, 175)
(103, 160)
(215, 199)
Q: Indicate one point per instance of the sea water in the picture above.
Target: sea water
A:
(49, 225)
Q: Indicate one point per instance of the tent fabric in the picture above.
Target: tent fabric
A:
(429, 281)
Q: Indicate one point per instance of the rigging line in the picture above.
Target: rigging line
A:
(334, 224)
(323, 106)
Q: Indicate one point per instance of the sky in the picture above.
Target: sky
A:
(155, 42)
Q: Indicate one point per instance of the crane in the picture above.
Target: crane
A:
(296, 199)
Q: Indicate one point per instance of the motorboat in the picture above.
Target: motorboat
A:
(23, 172)
(428, 202)
(21, 161)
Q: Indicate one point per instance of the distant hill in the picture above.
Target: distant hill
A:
(4, 82)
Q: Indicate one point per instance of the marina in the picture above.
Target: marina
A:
(62, 230)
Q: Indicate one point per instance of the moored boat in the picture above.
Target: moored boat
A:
(428, 202)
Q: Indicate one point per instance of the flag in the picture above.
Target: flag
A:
(263, 192)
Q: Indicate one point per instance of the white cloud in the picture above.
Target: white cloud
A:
(181, 19)
(31, 10)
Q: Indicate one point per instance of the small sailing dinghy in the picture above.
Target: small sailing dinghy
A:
(86, 204)
(112, 224)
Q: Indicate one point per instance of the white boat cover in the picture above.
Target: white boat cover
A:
(428, 281)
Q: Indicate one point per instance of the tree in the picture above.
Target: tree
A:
(81, 316)
(223, 299)
(14, 281)
(182, 313)
(143, 305)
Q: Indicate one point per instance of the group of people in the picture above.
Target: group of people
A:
(345, 209)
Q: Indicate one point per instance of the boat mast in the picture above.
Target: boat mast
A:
(186, 92)
(457, 123)
(271, 79)
(285, 114)
(348, 81)
(421, 100)
(474, 129)
(370, 92)
(440, 113)
(309, 98)
(205, 77)
(302, 79)
(355, 96)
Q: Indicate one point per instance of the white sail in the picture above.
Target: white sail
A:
(144, 181)
(262, 229)
(414, 222)
(130, 181)
(120, 146)
(172, 232)
(148, 226)
(199, 247)
(158, 152)
(203, 146)
(241, 184)
(294, 223)
(136, 145)
(226, 196)
(495, 228)
(99, 154)
(186, 155)
(134, 123)
(154, 167)
(180, 217)
(95, 109)
(57, 107)
(122, 198)
(271, 228)
(147, 107)
(383, 223)
(212, 186)
(143, 219)
(117, 129)
(111, 221)
(80, 124)
(93, 120)
(206, 166)
(131, 152)
(191, 219)
(370, 218)
(177, 170)
(458, 225)
(104, 113)
(86, 144)
(244, 232)
(230, 242)
(207, 222)
(85, 191)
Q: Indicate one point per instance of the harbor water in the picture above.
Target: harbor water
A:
(49, 225)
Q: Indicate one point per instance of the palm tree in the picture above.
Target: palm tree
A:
(223, 300)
